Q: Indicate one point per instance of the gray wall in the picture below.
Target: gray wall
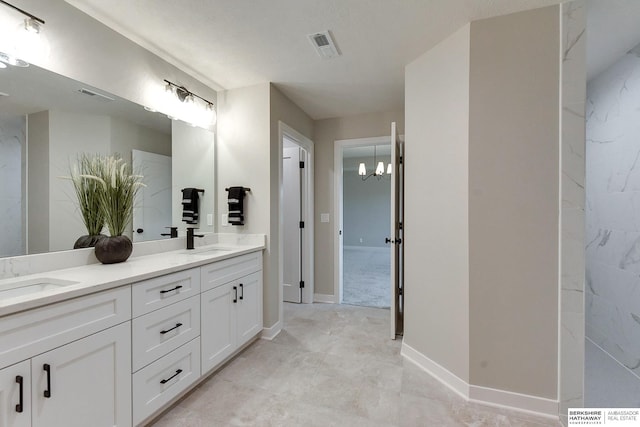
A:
(613, 215)
(482, 178)
(436, 206)
(514, 202)
(366, 204)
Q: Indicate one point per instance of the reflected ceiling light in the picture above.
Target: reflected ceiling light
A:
(378, 173)
(3, 65)
(194, 108)
(28, 41)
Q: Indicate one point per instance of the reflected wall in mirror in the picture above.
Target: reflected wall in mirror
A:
(45, 121)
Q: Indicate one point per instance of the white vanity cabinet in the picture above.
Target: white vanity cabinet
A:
(74, 365)
(15, 395)
(231, 310)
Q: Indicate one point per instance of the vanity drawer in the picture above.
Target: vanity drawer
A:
(221, 272)
(35, 331)
(162, 291)
(159, 332)
(155, 385)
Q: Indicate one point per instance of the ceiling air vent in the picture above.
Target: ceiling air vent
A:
(324, 44)
(99, 96)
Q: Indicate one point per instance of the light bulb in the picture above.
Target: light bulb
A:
(30, 42)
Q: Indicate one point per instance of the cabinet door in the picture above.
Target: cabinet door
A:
(217, 328)
(249, 307)
(15, 395)
(88, 382)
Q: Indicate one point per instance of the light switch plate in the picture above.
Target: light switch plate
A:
(225, 219)
(209, 219)
(324, 217)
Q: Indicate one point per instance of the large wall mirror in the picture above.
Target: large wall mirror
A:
(45, 121)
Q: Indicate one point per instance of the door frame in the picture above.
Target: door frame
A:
(338, 149)
(307, 211)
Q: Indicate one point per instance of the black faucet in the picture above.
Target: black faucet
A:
(190, 237)
(173, 234)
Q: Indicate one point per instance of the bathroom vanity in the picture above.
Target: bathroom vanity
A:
(114, 345)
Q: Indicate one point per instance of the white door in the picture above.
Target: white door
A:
(395, 237)
(218, 326)
(85, 383)
(292, 233)
(15, 395)
(152, 207)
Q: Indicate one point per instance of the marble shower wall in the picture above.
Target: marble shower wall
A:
(12, 149)
(572, 265)
(613, 211)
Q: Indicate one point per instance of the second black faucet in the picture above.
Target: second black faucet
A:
(190, 236)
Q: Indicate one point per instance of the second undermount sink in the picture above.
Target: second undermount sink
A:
(20, 288)
(206, 251)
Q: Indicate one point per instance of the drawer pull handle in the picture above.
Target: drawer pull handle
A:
(19, 380)
(171, 290)
(235, 294)
(171, 329)
(242, 289)
(47, 369)
(171, 377)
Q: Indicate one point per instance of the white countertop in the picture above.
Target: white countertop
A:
(99, 277)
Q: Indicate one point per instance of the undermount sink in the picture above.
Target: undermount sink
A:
(205, 251)
(32, 286)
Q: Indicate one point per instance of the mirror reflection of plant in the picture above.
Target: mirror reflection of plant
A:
(87, 191)
(116, 191)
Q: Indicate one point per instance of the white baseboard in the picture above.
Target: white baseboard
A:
(443, 375)
(331, 299)
(272, 332)
(482, 395)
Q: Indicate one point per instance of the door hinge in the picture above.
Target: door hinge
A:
(301, 284)
(400, 226)
(301, 224)
(400, 159)
(301, 165)
(400, 291)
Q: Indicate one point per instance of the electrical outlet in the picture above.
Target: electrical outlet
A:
(210, 219)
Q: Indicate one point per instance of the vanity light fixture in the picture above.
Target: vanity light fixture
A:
(28, 40)
(193, 112)
(378, 173)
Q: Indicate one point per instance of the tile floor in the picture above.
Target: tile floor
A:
(366, 276)
(608, 384)
(332, 365)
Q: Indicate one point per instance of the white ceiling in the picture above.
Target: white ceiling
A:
(235, 43)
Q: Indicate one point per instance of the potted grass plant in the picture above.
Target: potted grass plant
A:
(117, 187)
(87, 190)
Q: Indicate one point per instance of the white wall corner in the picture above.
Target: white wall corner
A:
(325, 298)
(270, 333)
(486, 396)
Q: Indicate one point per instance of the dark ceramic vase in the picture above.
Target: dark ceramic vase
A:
(113, 249)
(87, 241)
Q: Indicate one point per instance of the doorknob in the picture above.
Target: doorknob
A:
(139, 230)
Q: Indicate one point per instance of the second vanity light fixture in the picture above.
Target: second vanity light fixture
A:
(192, 112)
(27, 42)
